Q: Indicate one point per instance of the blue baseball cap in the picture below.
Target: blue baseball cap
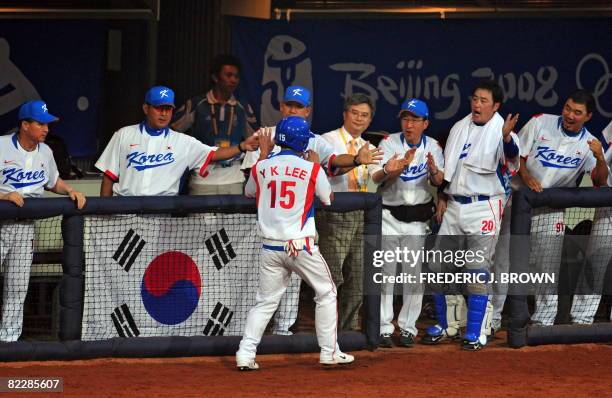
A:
(293, 132)
(416, 107)
(160, 95)
(298, 94)
(36, 110)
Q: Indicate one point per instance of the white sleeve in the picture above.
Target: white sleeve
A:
(514, 164)
(384, 144)
(53, 172)
(528, 135)
(438, 156)
(322, 188)
(200, 155)
(250, 159)
(607, 134)
(325, 151)
(108, 163)
(250, 189)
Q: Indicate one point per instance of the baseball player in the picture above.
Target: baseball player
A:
(598, 255)
(149, 158)
(558, 151)
(27, 168)
(284, 187)
(412, 161)
(478, 149)
(297, 101)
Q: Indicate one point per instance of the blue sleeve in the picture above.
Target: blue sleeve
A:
(510, 149)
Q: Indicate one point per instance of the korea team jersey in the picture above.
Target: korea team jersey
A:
(412, 186)
(142, 162)
(284, 186)
(554, 157)
(467, 182)
(316, 144)
(26, 172)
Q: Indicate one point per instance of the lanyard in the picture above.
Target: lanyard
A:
(213, 118)
(363, 187)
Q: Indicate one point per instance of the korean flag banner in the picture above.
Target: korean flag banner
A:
(169, 276)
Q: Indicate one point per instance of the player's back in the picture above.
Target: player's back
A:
(285, 186)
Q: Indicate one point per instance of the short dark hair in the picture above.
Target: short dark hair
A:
(223, 59)
(493, 87)
(583, 97)
(357, 99)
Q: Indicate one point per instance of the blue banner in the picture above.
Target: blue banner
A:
(61, 63)
(538, 62)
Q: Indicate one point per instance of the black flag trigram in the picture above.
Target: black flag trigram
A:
(128, 250)
(220, 248)
(124, 322)
(219, 319)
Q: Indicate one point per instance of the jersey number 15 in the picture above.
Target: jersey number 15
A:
(287, 196)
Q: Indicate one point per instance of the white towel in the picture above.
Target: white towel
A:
(485, 152)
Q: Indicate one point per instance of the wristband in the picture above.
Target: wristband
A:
(384, 170)
(240, 147)
(355, 162)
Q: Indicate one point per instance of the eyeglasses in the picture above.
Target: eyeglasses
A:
(357, 114)
(409, 120)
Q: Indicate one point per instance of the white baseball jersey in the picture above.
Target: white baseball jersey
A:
(142, 162)
(467, 182)
(412, 186)
(607, 134)
(26, 172)
(553, 157)
(316, 144)
(338, 139)
(284, 186)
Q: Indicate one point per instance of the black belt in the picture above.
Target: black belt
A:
(422, 212)
(464, 200)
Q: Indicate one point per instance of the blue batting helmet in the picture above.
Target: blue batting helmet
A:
(293, 132)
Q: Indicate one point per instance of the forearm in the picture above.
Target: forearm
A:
(600, 173)
(345, 161)
(106, 189)
(61, 187)
(523, 172)
(436, 178)
(228, 153)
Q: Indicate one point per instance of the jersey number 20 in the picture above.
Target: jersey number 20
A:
(287, 196)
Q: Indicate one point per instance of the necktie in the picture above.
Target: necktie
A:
(353, 182)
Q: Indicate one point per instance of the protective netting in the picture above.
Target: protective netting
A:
(30, 257)
(574, 246)
(158, 275)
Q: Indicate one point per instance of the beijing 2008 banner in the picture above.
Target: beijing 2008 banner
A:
(169, 276)
(60, 62)
(537, 62)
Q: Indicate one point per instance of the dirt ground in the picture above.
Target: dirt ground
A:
(421, 371)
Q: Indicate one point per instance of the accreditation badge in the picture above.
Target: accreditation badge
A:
(223, 143)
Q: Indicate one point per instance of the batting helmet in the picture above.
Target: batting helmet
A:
(293, 132)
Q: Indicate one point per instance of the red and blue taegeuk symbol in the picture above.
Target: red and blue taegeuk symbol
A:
(171, 287)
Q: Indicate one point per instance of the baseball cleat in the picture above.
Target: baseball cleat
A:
(472, 345)
(339, 358)
(385, 340)
(436, 334)
(406, 338)
(247, 365)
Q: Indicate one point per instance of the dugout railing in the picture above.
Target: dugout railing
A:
(72, 287)
(577, 203)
